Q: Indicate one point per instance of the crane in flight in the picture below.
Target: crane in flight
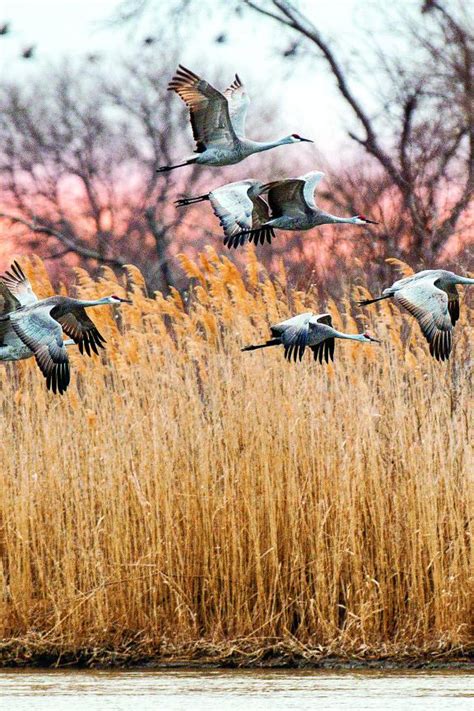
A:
(432, 298)
(292, 207)
(218, 122)
(314, 331)
(32, 327)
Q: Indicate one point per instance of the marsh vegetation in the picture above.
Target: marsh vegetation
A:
(184, 499)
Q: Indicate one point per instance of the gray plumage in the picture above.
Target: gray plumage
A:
(218, 121)
(238, 206)
(32, 327)
(292, 207)
(309, 330)
(432, 298)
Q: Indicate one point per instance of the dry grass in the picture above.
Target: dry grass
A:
(184, 493)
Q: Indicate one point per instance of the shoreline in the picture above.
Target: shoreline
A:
(208, 657)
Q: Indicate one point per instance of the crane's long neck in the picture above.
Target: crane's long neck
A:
(258, 146)
(348, 336)
(463, 280)
(334, 219)
(95, 302)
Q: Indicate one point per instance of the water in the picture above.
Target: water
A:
(231, 690)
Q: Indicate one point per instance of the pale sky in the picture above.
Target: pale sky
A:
(303, 91)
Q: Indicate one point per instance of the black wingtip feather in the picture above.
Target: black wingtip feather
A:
(453, 307)
(324, 351)
(441, 345)
(257, 236)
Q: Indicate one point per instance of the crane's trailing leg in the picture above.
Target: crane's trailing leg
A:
(365, 302)
(191, 200)
(267, 344)
(167, 168)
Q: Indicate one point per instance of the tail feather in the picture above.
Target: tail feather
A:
(267, 344)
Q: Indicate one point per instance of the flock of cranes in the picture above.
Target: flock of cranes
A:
(31, 327)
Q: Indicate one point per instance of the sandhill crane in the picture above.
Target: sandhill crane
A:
(432, 298)
(292, 207)
(314, 331)
(238, 207)
(218, 121)
(11, 346)
(31, 326)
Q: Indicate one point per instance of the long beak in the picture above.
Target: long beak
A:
(306, 140)
(126, 301)
(371, 222)
(375, 340)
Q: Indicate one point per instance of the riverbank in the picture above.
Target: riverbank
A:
(230, 655)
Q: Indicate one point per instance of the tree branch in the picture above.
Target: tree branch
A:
(448, 225)
(405, 138)
(161, 248)
(274, 16)
(302, 25)
(71, 244)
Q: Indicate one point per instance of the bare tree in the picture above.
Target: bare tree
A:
(78, 159)
(421, 137)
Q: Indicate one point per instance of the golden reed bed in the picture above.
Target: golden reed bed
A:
(184, 499)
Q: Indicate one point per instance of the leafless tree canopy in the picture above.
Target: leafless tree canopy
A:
(423, 136)
(78, 159)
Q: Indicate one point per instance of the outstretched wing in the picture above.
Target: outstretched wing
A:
(286, 197)
(324, 350)
(323, 318)
(208, 108)
(311, 181)
(8, 304)
(19, 285)
(429, 305)
(233, 206)
(82, 330)
(238, 210)
(260, 231)
(43, 335)
(239, 101)
(294, 334)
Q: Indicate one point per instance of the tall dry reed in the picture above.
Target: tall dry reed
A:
(182, 490)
